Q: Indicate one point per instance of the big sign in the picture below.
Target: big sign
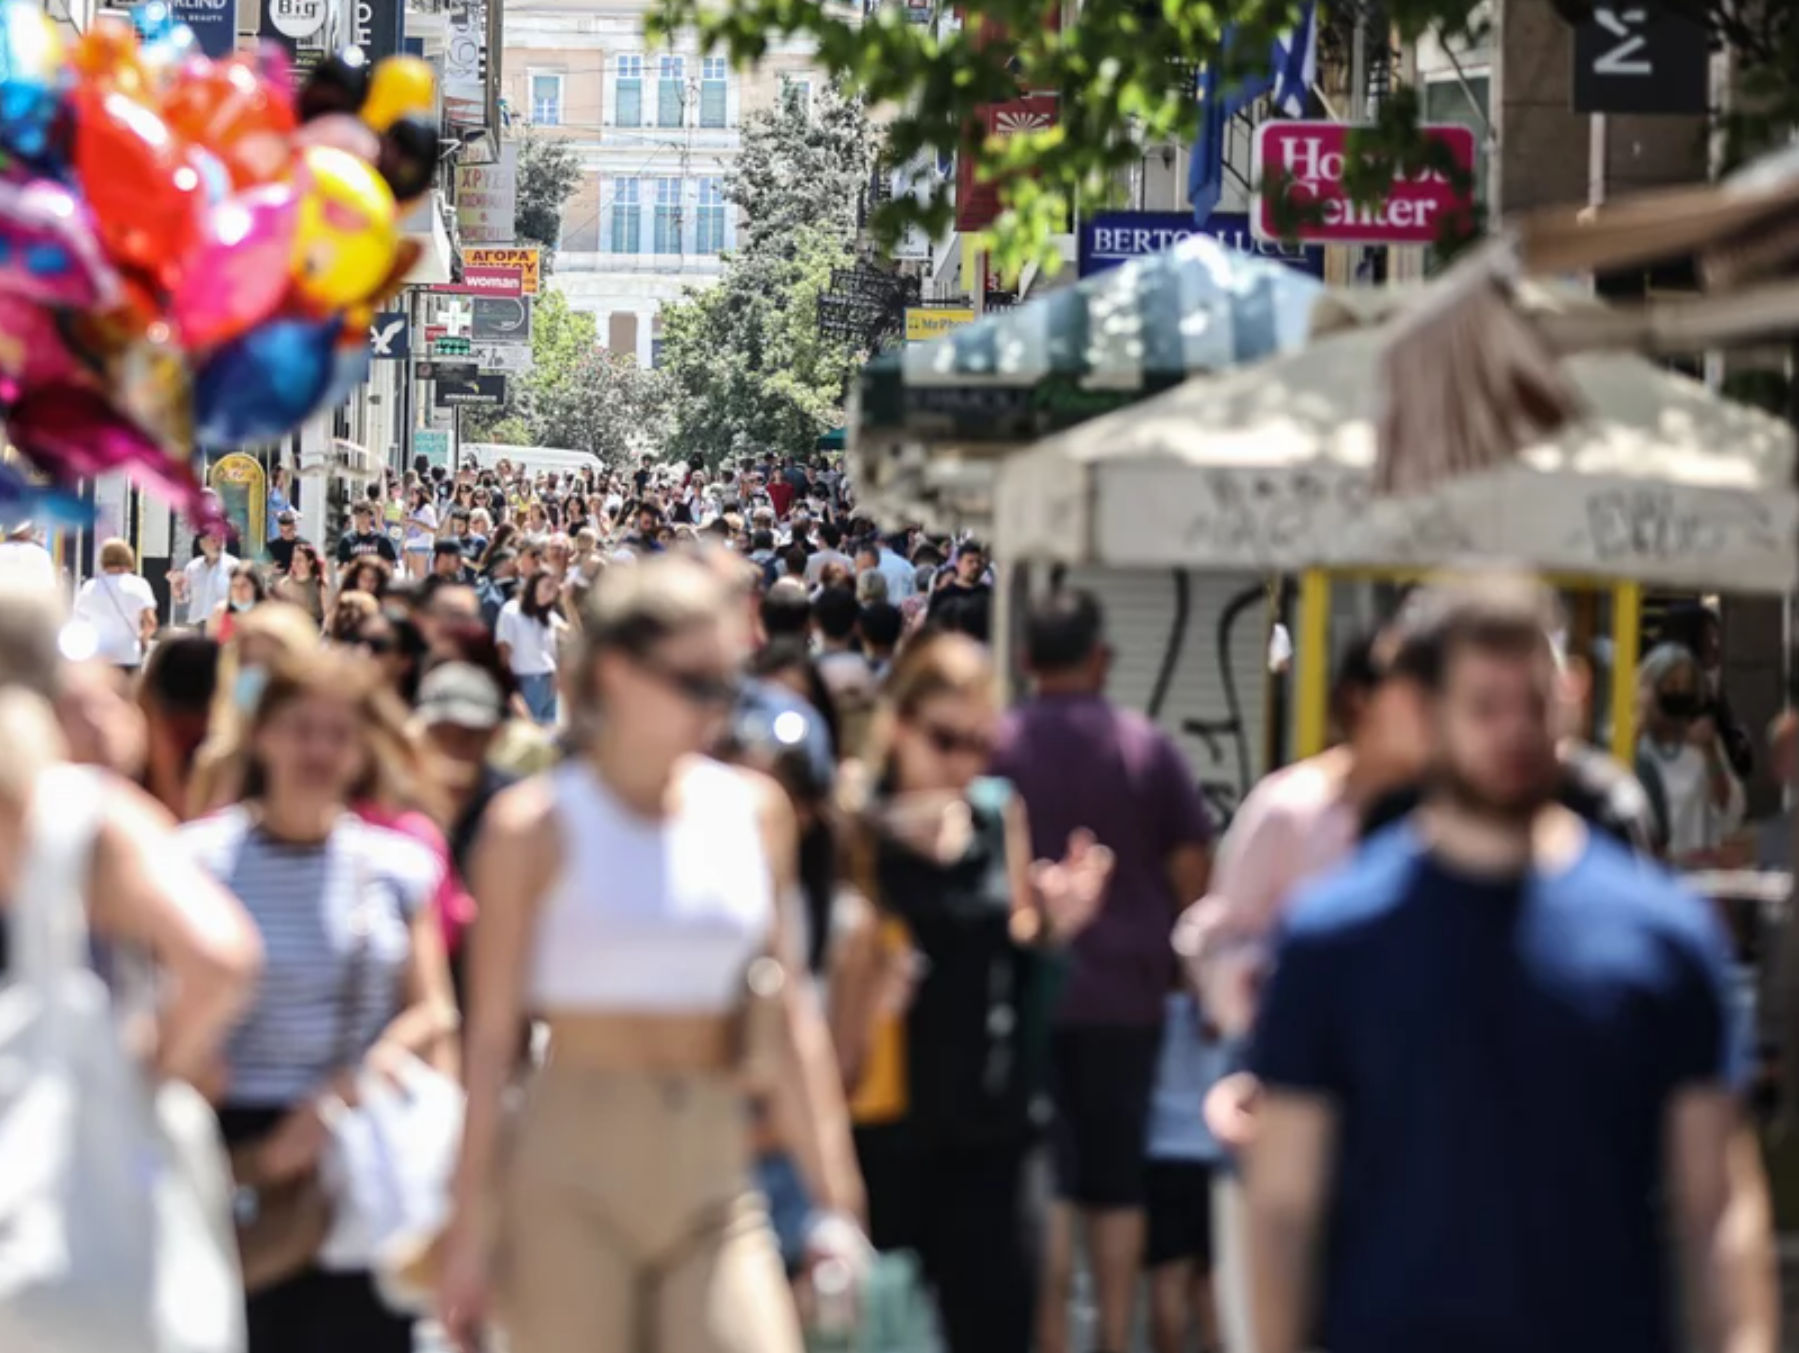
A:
(1308, 158)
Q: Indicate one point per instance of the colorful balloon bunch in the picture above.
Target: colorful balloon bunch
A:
(191, 250)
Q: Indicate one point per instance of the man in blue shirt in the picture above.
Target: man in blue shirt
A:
(1499, 1063)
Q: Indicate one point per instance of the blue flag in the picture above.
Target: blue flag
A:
(1288, 77)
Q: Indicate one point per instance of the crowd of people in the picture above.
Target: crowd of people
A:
(690, 804)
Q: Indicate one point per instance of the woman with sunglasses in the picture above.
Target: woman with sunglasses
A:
(637, 901)
(355, 976)
(939, 992)
(529, 634)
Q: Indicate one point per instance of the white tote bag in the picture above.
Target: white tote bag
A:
(115, 1232)
(388, 1166)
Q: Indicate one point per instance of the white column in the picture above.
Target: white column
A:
(646, 321)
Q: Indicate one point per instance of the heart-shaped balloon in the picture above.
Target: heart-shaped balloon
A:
(237, 275)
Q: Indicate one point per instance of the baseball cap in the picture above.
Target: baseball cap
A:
(462, 694)
(286, 518)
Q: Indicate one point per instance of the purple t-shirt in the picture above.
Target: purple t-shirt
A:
(1079, 762)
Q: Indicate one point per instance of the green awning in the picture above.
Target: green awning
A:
(1107, 341)
(833, 440)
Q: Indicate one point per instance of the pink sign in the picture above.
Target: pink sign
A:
(486, 282)
(1308, 157)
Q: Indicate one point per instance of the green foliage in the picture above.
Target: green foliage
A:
(577, 395)
(1125, 70)
(745, 365)
(549, 173)
(798, 168)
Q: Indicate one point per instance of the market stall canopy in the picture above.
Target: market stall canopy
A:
(979, 392)
(1272, 468)
(1130, 331)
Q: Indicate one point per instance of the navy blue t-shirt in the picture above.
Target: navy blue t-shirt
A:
(1501, 1056)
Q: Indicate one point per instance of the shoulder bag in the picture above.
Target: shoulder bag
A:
(282, 1224)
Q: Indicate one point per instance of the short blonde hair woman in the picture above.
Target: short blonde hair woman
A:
(118, 606)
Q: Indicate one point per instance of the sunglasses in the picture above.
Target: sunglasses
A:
(705, 689)
(950, 741)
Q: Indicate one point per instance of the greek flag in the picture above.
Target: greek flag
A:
(1288, 78)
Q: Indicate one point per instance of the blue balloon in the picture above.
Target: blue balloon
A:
(153, 20)
(349, 369)
(30, 86)
(22, 501)
(264, 383)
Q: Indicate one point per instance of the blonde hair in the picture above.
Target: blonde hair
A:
(218, 765)
(33, 741)
(631, 610)
(115, 553)
(31, 620)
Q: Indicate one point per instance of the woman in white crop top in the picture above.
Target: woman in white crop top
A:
(628, 899)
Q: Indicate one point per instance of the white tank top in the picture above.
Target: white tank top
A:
(659, 916)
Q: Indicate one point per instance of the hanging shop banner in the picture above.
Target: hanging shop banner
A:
(1641, 59)
(379, 26)
(525, 258)
(925, 322)
(499, 320)
(464, 68)
(390, 336)
(293, 22)
(483, 389)
(214, 24)
(1111, 237)
(977, 200)
(1310, 158)
(514, 359)
(487, 198)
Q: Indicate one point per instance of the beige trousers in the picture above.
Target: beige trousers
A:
(629, 1223)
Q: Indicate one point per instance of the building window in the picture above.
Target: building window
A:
(546, 100)
(800, 91)
(711, 234)
(629, 82)
(671, 96)
(712, 92)
(627, 220)
(621, 333)
(668, 216)
(1463, 102)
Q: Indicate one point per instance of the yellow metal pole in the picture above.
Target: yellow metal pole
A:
(1627, 642)
(1312, 663)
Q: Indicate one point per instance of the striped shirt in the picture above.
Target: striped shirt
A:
(317, 996)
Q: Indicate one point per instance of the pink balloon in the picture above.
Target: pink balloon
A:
(33, 352)
(238, 274)
(48, 250)
(343, 132)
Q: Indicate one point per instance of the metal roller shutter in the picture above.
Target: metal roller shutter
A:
(1198, 669)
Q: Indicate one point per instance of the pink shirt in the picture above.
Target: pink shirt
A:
(454, 906)
(1293, 826)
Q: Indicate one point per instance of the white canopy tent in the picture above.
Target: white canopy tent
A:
(1271, 468)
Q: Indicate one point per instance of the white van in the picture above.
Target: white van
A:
(535, 459)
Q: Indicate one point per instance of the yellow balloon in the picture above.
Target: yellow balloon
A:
(346, 235)
(400, 87)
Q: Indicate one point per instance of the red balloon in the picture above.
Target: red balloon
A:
(234, 111)
(146, 197)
